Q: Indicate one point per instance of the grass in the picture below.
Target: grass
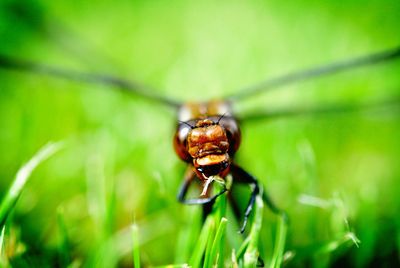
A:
(64, 246)
(3, 260)
(336, 176)
(279, 250)
(135, 250)
(18, 184)
(13, 194)
(209, 247)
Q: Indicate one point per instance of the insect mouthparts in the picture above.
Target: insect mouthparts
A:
(206, 184)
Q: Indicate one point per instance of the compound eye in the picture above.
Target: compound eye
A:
(180, 141)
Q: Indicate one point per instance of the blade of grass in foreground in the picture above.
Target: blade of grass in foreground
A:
(64, 247)
(209, 245)
(217, 245)
(280, 239)
(331, 246)
(22, 177)
(3, 259)
(188, 234)
(321, 249)
(251, 254)
(206, 232)
(135, 249)
(3, 230)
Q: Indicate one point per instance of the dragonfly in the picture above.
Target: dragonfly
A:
(208, 133)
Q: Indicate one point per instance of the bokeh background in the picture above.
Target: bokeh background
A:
(118, 165)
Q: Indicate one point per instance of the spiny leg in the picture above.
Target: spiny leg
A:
(237, 214)
(241, 176)
(189, 177)
(245, 178)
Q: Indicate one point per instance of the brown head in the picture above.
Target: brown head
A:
(208, 144)
(207, 137)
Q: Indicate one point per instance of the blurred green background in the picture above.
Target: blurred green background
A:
(119, 166)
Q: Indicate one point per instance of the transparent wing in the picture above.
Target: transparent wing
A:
(124, 85)
(386, 105)
(290, 78)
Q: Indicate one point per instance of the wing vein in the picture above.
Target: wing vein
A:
(277, 82)
(124, 85)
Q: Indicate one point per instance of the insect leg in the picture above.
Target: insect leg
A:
(267, 199)
(241, 176)
(189, 177)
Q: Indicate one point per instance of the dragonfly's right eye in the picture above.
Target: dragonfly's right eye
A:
(180, 141)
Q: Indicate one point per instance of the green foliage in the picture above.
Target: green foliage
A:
(18, 184)
(135, 251)
(335, 175)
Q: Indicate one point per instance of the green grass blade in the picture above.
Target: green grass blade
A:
(135, 248)
(251, 254)
(64, 247)
(325, 248)
(195, 260)
(243, 248)
(3, 231)
(188, 235)
(217, 245)
(22, 177)
(207, 256)
(215, 239)
(205, 244)
(3, 257)
(280, 239)
(332, 246)
(221, 245)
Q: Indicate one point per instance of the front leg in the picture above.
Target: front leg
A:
(241, 176)
(188, 179)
